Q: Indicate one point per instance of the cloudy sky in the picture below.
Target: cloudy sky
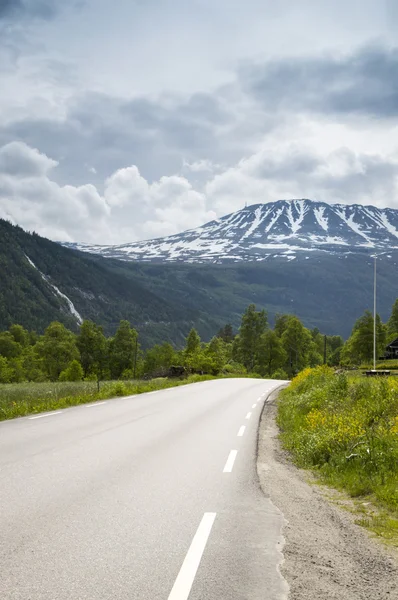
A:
(129, 119)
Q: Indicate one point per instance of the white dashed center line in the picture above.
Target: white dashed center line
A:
(186, 576)
(229, 465)
(254, 405)
(51, 414)
(241, 431)
(248, 415)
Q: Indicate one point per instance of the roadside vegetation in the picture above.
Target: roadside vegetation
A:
(61, 368)
(22, 399)
(346, 429)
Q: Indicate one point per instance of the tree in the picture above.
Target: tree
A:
(20, 335)
(57, 349)
(8, 346)
(271, 354)
(253, 325)
(281, 323)
(33, 364)
(217, 355)
(5, 370)
(73, 372)
(299, 345)
(92, 346)
(123, 350)
(392, 325)
(159, 359)
(359, 347)
(193, 342)
(226, 333)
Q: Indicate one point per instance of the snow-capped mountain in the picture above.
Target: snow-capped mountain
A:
(261, 231)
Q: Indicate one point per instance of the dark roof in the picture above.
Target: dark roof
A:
(393, 344)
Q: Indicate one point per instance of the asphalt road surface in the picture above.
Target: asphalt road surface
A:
(150, 497)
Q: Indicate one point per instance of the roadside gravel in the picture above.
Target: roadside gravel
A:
(326, 555)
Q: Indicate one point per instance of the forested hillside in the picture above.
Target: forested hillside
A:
(96, 290)
(164, 301)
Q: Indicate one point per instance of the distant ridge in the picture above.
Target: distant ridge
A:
(260, 231)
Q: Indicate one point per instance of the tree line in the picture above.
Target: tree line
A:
(281, 352)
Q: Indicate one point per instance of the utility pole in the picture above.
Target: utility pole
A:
(374, 319)
(324, 349)
(135, 356)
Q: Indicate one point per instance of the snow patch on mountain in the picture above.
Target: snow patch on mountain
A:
(261, 231)
(319, 212)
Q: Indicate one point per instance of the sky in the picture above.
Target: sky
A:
(135, 119)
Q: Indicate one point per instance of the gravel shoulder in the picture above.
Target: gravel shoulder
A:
(326, 555)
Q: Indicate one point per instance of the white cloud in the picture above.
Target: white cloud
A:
(288, 171)
(130, 208)
(200, 166)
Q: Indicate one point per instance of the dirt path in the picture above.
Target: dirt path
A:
(327, 556)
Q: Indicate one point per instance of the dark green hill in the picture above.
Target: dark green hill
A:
(165, 300)
(97, 291)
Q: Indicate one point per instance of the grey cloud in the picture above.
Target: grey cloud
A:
(157, 135)
(291, 165)
(42, 9)
(376, 177)
(8, 7)
(363, 83)
(17, 159)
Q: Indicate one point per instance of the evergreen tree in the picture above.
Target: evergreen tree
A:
(253, 325)
(226, 333)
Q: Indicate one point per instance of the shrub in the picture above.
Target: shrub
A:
(346, 428)
(73, 372)
(279, 374)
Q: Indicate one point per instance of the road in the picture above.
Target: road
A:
(151, 497)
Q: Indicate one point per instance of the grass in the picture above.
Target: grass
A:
(21, 399)
(346, 430)
(390, 365)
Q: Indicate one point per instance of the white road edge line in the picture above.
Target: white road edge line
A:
(95, 404)
(186, 576)
(51, 414)
(241, 431)
(248, 415)
(229, 465)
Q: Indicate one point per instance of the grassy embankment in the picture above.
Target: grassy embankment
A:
(346, 430)
(20, 399)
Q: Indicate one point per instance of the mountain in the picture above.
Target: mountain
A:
(43, 281)
(263, 231)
